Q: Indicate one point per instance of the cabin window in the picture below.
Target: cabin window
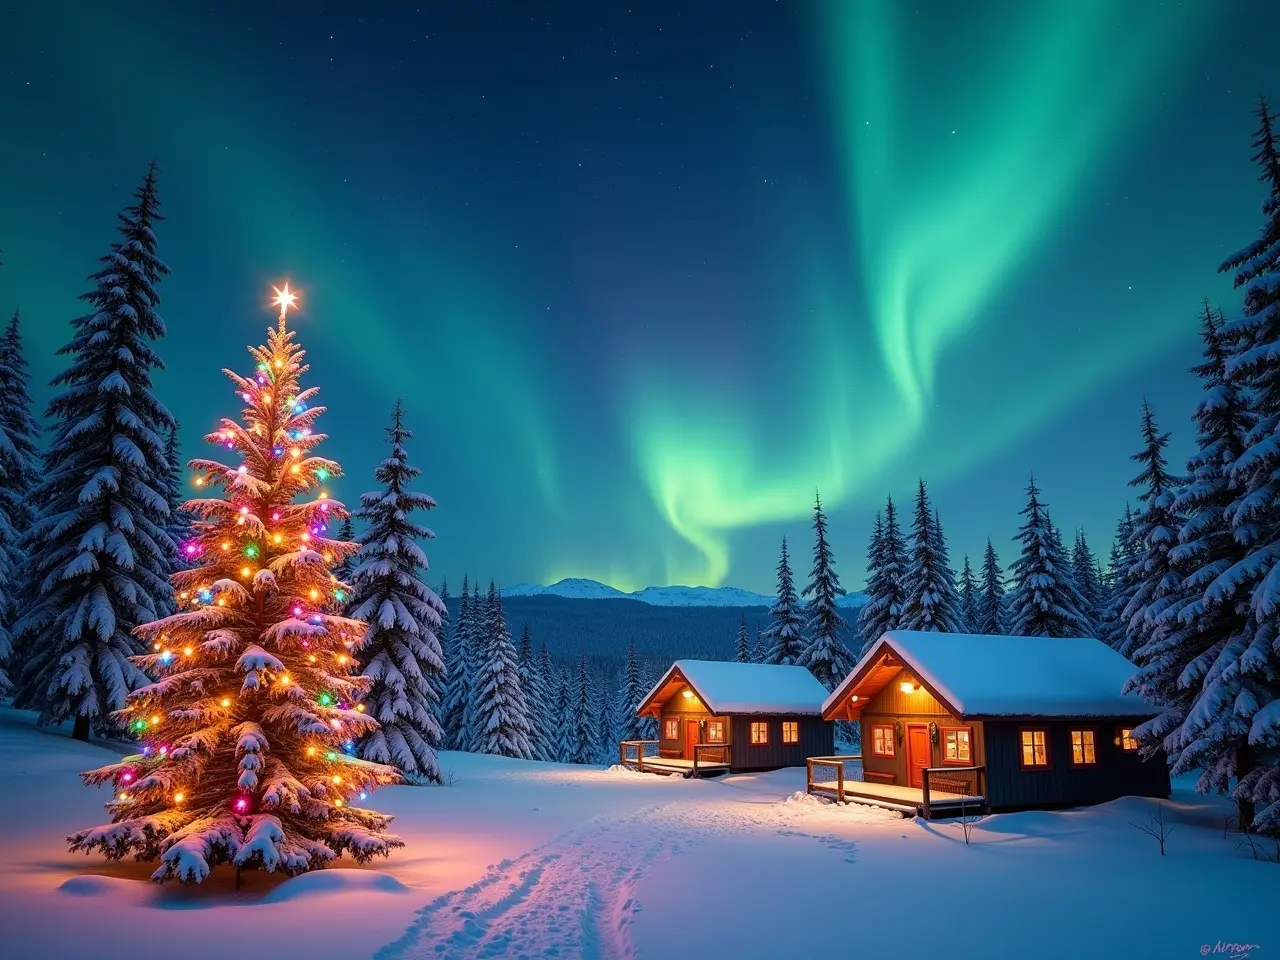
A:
(715, 731)
(759, 732)
(790, 731)
(670, 729)
(882, 740)
(957, 745)
(1083, 748)
(1128, 742)
(1035, 749)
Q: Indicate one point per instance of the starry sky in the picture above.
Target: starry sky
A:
(647, 274)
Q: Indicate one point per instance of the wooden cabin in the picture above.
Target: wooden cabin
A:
(716, 717)
(1005, 723)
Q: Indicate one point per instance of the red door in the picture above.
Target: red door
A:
(690, 738)
(917, 754)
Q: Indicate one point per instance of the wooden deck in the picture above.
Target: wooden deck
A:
(927, 801)
(678, 765)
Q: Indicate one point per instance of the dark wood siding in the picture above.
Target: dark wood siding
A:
(1117, 773)
(891, 706)
(817, 739)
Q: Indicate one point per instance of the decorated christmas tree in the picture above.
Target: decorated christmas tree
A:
(246, 734)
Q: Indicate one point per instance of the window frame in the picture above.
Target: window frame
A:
(1071, 739)
(762, 728)
(712, 725)
(1126, 738)
(1048, 752)
(958, 728)
(888, 739)
(795, 728)
(669, 723)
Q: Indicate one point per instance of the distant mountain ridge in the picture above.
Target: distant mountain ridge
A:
(579, 588)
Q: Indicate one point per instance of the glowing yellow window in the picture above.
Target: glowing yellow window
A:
(957, 745)
(1035, 748)
(1083, 748)
(790, 731)
(1128, 742)
(882, 740)
(670, 729)
(715, 731)
(759, 732)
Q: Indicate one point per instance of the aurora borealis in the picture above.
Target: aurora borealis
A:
(647, 275)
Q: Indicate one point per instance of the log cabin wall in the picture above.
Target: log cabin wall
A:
(1117, 772)
(893, 708)
(817, 739)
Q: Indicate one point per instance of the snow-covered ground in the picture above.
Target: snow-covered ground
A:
(537, 860)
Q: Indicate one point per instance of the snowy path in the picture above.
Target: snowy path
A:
(575, 896)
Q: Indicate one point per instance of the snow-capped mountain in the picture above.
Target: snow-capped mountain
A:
(673, 596)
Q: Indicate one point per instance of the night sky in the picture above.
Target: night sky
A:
(647, 274)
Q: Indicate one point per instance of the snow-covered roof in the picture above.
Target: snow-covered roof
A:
(746, 687)
(976, 675)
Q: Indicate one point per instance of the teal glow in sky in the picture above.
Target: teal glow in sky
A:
(646, 278)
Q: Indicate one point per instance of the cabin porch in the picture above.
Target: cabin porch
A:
(709, 759)
(944, 792)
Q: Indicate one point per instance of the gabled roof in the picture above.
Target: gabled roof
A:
(739, 688)
(987, 676)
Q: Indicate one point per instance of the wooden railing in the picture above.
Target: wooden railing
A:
(952, 780)
(626, 758)
(721, 755)
(836, 763)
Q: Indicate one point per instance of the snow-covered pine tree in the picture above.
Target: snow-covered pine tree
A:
(1156, 584)
(885, 597)
(242, 760)
(629, 697)
(400, 647)
(1206, 549)
(100, 553)
(1234, 729)
(931, 600)
(607, 722)
(1045, 602)
(991, 602)
(547, 719)
(1112, 624)
(824, 652)
(580, 721)
(476, 647)
(566, 728)
(458, 689)
(502, 723)
(19, 471)
(347, 534)
(440, 681)
(534, 688)
(786, 629)
(1084, 568)
(760, 649)
(742, 651)
(179, 522)
(969, 615)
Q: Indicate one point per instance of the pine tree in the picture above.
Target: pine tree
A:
(458, 691)
(440, 681)
(786, 631)
(1045, 602)
(347, 534)
(1234, 729)
(824, 652)
(630, 695)
(991, 603)
(477, 649)
(242, 759)
(607, 723)
(1084, 569)
(179, 522)
(742, 652)
(534, 688)
(565, 726)
(760, 649)
(579, 721)
(931, 600)
(1156, 584)
(969, 614)
(1201, 620)
(100, 551)
(885, 575)
(400, 647)
(1120, 589)
(547, 719)
(19, 472)
(502, 723)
